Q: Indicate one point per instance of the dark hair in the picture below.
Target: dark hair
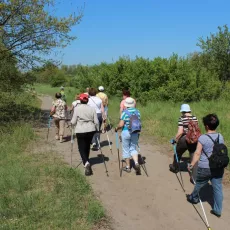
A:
(92, 91)
(84, 101)
(211, 120)
(126, 92)
(58, 95)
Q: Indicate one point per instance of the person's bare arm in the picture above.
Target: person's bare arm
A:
(102, 110)
(120, 125)
(180, 131)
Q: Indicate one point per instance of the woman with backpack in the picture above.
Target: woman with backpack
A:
(181, 137)
(58, 112)
(212, 156)
(130, 119)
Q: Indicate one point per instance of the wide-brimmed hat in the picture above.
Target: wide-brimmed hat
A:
(129, 102)
(185, 108)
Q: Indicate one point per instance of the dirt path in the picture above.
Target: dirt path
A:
(135, 202)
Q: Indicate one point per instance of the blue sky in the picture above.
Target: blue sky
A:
(147, 28)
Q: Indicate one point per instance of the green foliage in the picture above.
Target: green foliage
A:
(216, 51)
(198, 76)
(30, 30)
(18, 106)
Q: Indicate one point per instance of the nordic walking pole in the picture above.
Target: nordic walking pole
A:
(201, 204)
(72, 141)
(144, 167)
(49, 125)
(173, 142)
(106, 171)
(79, 164)
(110, 124)
(118, 153)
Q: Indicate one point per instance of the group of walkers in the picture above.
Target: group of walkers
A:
(208, 154)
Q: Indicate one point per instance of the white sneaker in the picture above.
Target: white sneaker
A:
(61, 139)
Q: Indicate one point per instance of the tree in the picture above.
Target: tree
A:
(29, 32)
(216, 53)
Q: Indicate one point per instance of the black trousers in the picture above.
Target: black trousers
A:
(182, 146)
(84, 141)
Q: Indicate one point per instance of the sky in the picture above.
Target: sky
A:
(145, 28)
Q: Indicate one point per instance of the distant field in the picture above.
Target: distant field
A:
(47, 89)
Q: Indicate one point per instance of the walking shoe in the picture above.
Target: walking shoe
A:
(213, 213)
(61, 139)
(126, 169)
(93, 145)
(190, 200)
(57, 137)
(88, 170)
(173, 169)
(138, 169)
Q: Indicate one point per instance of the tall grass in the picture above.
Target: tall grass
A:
(160, 119)
(39, 191)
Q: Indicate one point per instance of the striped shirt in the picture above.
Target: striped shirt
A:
(184, 120)
(125, 117)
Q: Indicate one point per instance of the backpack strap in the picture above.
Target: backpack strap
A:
(94, 102)
(217, 139)
(212, 141)
(136, 112)
(203, 148)
(127, 112)
(205, 153)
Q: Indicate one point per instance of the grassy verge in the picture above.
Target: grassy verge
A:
(38, 191)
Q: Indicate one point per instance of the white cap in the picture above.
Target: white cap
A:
(101, 88)
(129, 102)
(185, 108)
(61, 87)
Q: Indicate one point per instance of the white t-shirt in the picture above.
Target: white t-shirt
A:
(95, 102)
(76, 102)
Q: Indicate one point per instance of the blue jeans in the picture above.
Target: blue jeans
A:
(203, 177)
(129, 143)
